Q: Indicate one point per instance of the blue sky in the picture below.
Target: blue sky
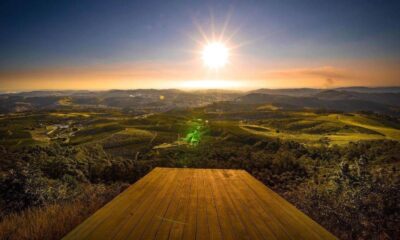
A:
(298, 34)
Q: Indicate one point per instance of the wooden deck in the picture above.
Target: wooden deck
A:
(171, 203)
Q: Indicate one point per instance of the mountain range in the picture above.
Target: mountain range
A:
(380, 99)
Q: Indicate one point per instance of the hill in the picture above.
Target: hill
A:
(380, 100)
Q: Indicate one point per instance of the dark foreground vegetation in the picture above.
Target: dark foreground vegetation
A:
(51, 184)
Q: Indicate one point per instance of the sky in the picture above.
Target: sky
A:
(157, 44)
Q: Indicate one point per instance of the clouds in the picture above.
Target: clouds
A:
(101, 76)
(329, 76)
(153, 74)
(326, 72)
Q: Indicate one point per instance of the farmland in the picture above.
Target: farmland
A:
(304, 127)
(53, 158)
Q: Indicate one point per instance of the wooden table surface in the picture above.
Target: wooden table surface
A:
(182, 203)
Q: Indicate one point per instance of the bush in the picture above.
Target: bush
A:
(53, 221)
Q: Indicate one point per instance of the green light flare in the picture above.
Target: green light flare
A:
(195, 134)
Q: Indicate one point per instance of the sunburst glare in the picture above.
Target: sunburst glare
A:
(215, 55)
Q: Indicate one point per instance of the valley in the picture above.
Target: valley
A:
(75, 158)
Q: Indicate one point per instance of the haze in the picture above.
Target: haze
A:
(157, 44)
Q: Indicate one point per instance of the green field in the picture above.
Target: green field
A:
(330, 129)
(168, 129)
(341, 159)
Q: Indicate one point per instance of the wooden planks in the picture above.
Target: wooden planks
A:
(172, 203)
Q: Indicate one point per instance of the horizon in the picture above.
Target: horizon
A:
(192, 89)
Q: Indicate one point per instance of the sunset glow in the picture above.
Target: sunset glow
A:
(282, 45)
(210, 84)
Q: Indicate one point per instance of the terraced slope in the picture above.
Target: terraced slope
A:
(313, 129)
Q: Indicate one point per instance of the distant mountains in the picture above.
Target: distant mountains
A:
(381, 99)
(311, 91)
(371, 90)
(140, 100)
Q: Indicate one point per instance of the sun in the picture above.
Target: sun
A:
(215, 55)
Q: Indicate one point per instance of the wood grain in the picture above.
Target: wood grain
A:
(185, 204)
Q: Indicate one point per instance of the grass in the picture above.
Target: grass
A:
(25, 129)
(268, 107)
(129, 138)
(56, 220)
(16, 138)
(67, 101)
(306, 127)
(68, 115)
(312, 129)
(40, 135)
(361, 121)
(95, 133)
(136, 132)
